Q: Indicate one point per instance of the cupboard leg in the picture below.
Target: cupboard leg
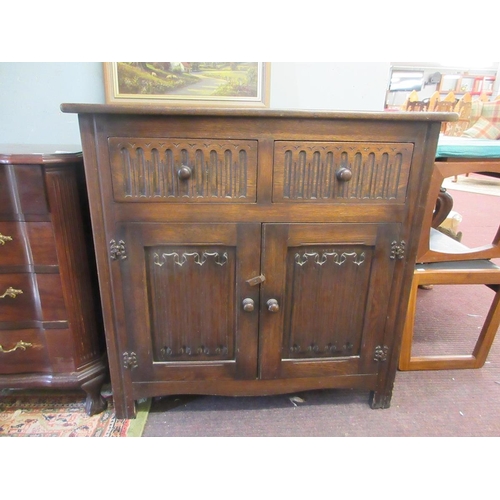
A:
(380, 400)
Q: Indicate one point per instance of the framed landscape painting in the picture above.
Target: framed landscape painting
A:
(188, 83)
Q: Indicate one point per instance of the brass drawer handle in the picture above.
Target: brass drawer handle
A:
(3, 239)
(184, 173)
(11, 292)
(20, 345)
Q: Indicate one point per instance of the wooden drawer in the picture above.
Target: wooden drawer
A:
(183, 170)
(347, 172)
(23, 351)
(25, 297)
(26, 244)
(13, 245)
(36, 350)
(22, 192)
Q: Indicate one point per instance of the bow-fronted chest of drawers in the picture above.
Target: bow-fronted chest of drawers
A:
(50, 321)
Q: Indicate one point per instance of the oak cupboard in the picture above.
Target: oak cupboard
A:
(250, 252)
(51, 331)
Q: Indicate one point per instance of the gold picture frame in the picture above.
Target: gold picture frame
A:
(188, 84)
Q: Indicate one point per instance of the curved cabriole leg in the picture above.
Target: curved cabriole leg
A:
(94, 403)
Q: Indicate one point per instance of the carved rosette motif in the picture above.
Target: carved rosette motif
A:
(381, 352)
(130, 360)
(398, 250)
(117, 250)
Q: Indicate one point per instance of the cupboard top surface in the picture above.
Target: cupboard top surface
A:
(136, 109)
(38, 154)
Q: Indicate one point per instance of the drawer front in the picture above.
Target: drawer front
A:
(18, 299)
(183, 170)
(22, 192)
(23, 351)
(25, 297)
(26, 243)
(13, 245)
(346, 172)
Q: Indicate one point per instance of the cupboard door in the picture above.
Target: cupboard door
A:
(325, 299)
(188, 283)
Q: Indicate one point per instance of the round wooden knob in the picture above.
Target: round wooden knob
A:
(344, 174)
(248, 305)
(273, 306)
(184, 173)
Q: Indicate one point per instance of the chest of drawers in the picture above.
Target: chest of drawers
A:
(50, 328)
(251, 252)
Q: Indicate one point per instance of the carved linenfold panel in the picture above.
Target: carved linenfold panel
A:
(324, 318)
(213, 170)
(309, 171)
(191, 293)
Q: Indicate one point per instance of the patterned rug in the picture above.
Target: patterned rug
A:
(62, 414)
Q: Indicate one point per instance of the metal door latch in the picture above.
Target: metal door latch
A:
(257, 280)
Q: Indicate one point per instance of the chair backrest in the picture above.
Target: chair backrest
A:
(413, 103)
(464, 108)
(417, 105)
(434, 99)
(447, 104)
(435, 246)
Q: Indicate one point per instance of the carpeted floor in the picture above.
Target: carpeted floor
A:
(430, 403)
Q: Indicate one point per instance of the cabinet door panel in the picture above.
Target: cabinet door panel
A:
(332, 283)
(188, 282)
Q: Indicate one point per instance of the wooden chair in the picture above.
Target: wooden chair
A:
(463, 107)
(442, 260)
(434, 99)
(412, 103)
(446, 105)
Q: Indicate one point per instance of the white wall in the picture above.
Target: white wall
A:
(345, 86)
(30, 96)
(31, 93)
